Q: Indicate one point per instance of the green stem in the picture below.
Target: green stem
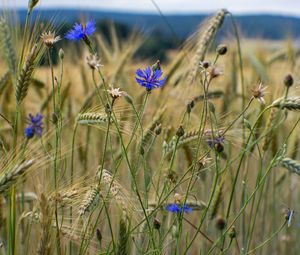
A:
(57, 138)
(269, 239)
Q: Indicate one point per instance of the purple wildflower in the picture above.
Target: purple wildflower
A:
(218, 140)
(149, 78)
(35, 126)
(81, 32)
(176, 208)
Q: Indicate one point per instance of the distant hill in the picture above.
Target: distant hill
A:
(274, 27)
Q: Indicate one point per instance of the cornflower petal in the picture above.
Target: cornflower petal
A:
(90, 27)
(140, 73)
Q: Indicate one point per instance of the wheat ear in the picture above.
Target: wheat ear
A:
(91, 200)
(9, 178)
(205, 38)
(25, 75)
(291, 165)
(46, 220)
(291, 103)
(9, 52)
(92, 118)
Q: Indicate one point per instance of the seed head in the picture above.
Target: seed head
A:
(94, 62)
(215, 71)
(178, 198)
(203, 162)
(49, 38)
(115, 92)
(259, 93)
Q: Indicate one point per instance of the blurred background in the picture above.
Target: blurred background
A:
(166, 24)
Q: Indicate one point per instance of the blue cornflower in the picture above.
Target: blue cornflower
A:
(176, 208)
(149, 78)
(81, 32)
(217, 141)
(35, 126)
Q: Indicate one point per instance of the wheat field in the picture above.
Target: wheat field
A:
(103, 153)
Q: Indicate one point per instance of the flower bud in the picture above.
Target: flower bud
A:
(220, 223)
(156, 66)
(180, 132)
(158, 129)
(288, 80)
(222, 49)
(142, 150)
(98, 235)
(211, 107)
(156, 224)
(54, 118)
(219, 147)
(61, 54)
(128, 98)
(205, 64)
(232, 232)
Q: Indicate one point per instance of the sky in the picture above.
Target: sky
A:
(284, 7)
